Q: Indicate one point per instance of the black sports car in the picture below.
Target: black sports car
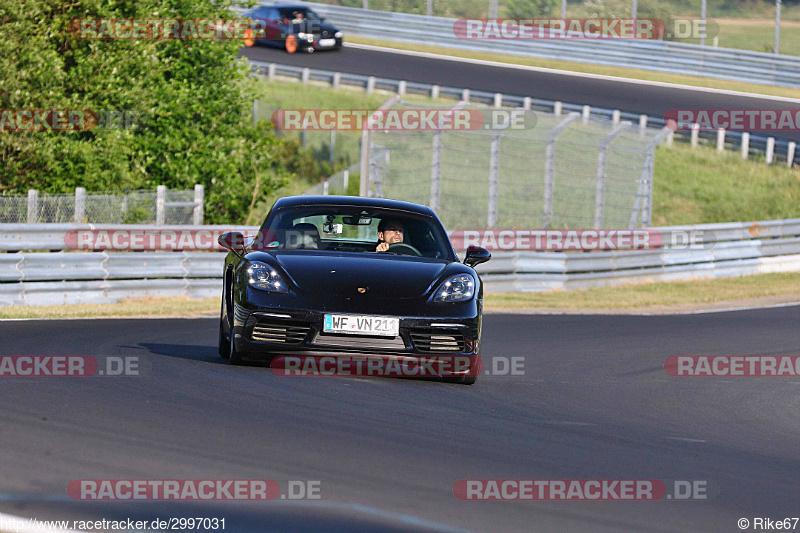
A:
(342, 275)
(293, 27)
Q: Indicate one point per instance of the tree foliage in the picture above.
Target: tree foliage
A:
(192, 96)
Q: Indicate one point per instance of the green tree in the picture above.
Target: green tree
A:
(193, 96)
(533, 8)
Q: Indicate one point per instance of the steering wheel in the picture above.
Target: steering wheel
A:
(403, 248)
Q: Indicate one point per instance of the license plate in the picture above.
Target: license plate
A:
(362, 325)
(327, 42)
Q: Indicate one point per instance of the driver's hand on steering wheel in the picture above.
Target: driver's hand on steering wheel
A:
(382, 247)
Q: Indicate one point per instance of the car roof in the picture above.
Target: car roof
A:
(356, 201)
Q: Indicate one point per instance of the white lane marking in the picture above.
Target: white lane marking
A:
(571, 73)
(144, 317)
(684, 439)
(20, 524)
(731, 309)
(569, 423)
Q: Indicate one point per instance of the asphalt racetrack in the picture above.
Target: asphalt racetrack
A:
(609, 94)
(593, 402)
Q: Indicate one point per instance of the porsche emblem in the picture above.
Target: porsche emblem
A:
(362, 290)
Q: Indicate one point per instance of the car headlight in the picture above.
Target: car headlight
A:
(338, 35)
(264, 277)
(456, 288)
(306, 36)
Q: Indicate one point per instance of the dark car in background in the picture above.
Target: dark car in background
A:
(313, 280)
(292, 27)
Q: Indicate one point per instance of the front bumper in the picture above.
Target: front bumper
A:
(270, 332)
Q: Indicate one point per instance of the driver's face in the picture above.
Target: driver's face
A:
(393, 233)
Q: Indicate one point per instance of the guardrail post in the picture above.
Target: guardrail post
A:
(745, 145)
(600, 190)
(271, 71)
(586, 113)
(498, 99)
(305, 75)
(336, 80)
(345, 180)
(80, 204)
(558, 108)
(199, 198)
(494, 172)
(401, 87)
(615, 116)
(325, 186)
(526, 103)
(550, 166)
(770, 150)
(371, 85)
(434, 91)
(161, 198)
(33, 205)
(790, 154)
(695, 134)
(465, 95)
(436, 170)
(642, 124)
(720, 139)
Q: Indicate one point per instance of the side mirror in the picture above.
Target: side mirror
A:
(233, 241)
(476, 255)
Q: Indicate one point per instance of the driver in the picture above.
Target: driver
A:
(390, 231)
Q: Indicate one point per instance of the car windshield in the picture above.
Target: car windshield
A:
(354, 229)
(293, 14)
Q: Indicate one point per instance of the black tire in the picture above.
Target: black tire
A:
(236, 355)
(224, 343)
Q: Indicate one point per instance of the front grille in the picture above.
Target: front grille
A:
(437, 340)
(361, 342)
(280, 331)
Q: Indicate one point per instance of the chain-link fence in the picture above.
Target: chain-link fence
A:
(556, 171)
(160, 206)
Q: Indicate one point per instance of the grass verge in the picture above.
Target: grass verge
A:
(675, 296)
(588, 68)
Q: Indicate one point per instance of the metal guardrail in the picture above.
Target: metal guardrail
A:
(39, 278)
(747, 143)
(662, 56)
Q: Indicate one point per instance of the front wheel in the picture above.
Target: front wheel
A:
(291, 44)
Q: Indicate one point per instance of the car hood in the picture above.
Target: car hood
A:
(342, 275)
